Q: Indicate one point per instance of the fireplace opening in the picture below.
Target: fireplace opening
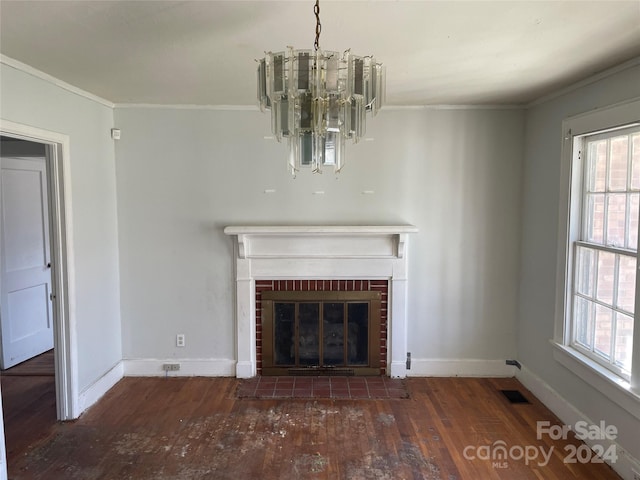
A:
(321, 332)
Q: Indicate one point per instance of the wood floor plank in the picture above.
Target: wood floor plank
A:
(40, 365)
(196, 428)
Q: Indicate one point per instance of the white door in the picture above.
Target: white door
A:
(26, 317)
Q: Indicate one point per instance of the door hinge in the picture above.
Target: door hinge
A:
(52, 297)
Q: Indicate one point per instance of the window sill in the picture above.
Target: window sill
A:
(606, 382)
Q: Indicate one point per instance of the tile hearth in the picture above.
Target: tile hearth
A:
(354, 388)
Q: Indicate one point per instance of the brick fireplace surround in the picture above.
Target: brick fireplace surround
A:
(327, 286)
(353, 257)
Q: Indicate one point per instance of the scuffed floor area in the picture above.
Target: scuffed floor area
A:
(198, 428)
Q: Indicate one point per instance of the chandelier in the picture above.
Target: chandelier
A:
(319, 99)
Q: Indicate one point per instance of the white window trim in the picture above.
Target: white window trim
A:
(626, 394)
(614, 387)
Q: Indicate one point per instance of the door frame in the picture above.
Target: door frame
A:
(57, 148)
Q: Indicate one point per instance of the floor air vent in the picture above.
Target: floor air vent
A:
(514, 396)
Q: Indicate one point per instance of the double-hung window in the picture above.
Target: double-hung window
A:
(605, 251)
(596, 332)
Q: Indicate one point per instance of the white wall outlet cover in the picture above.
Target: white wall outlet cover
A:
(115, 133)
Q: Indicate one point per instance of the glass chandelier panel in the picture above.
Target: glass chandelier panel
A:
(318, 100)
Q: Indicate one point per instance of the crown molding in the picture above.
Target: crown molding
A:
(586, 81)
(23, 67)
(29, 70)
(455, 107)
(252, 108)
(241, 108)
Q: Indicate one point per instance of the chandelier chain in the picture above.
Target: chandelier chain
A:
(316, 10)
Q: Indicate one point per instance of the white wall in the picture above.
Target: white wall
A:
(539, 245)
(184, 174)
(32, 101)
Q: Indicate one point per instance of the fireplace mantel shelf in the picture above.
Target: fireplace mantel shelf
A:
(320, 229)
(320, 252)
(321, 240)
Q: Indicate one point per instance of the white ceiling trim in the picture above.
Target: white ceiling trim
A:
(455, 107)
(586, 81)
(250, 108)
(23, 67)
(245, 108)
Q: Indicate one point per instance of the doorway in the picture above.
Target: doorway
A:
(61, 292)
(27, 357)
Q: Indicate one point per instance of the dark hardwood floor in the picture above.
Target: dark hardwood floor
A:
(28, 403)
(41, 365)
(192, 428)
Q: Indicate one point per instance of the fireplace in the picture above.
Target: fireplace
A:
(340, 329)
(298, 255)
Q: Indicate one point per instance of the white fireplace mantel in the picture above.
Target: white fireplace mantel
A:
(320, 252)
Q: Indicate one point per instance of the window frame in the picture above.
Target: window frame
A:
(624, 390)
(581, 171)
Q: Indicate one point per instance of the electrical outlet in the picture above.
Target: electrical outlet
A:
(180, 340)
(171, 367)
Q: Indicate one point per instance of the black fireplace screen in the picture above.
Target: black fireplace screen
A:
(321, 330)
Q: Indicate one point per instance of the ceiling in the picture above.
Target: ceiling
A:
(435, 52)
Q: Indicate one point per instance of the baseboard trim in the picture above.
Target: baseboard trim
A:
(444, 367)
(152, 367)
(245, 370)
(570, 415)
(97, 389)
(398, 370)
